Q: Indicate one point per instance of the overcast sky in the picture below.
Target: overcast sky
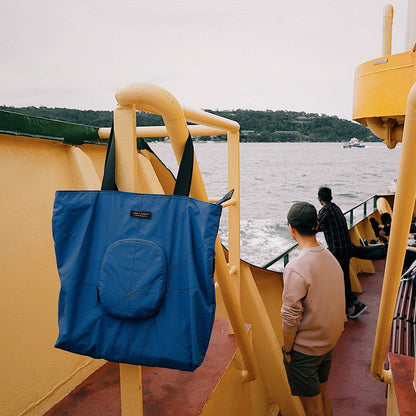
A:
(215, 54)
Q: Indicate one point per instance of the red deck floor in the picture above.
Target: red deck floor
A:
(165, 392)
(352, 388)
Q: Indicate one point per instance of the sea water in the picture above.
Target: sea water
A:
(275, 175)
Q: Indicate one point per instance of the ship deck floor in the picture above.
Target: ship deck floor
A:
(352, 388)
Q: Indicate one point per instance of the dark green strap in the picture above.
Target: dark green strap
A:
(109, 178)
(225, 198)
(184, 178)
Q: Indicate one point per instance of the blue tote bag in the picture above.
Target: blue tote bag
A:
(136, 271)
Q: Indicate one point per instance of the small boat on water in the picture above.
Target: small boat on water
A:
(354, 142)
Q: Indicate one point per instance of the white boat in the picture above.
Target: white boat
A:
(353, 143)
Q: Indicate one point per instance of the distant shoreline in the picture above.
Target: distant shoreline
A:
(255, 126)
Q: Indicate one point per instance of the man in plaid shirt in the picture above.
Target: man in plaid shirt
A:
(334, 225)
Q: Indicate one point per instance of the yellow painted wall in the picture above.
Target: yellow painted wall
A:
(33, 374)
(232, 397)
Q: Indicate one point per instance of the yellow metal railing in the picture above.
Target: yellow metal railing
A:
(150, 98)
(402, 215)
(387, 30)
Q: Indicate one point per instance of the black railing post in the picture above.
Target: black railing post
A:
(286, 260)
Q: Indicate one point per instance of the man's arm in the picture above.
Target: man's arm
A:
(294, 290)
(322, 214)
(288, 341)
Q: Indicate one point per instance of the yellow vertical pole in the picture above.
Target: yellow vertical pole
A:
(233, 151)
(126, 179)
(402, 216)
(131, 390)
(387, 29)
(126, 149)
(235, 314)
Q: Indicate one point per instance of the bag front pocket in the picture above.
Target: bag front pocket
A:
(133, 279)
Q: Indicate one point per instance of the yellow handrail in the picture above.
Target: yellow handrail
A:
(387, 29)
(402, 216)
(150, 98)
(160, 131)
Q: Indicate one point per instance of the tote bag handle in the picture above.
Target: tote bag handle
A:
(183, 180)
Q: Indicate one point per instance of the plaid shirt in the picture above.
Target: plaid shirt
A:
(334, 225)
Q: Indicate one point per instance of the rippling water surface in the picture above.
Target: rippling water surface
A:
(274, 175)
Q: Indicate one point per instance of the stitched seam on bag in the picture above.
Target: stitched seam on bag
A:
(110, 277)
(81, 247)
(77, 279)
(105, 256)
(104, 223)
(131, 276)
(135, 293)
(185, 259)
(132, 290)
(175, 226)
(157, 254)
(74, 336)
(117, 243)
(70, 232)
(168, 329)
(120, 282)
(85, 250)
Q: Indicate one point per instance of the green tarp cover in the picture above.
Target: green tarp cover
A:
(23, 125)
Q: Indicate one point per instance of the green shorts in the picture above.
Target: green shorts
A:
(305, 373)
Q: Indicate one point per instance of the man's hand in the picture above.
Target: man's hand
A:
(287, 354)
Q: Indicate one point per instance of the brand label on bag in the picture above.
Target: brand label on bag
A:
(141, 214)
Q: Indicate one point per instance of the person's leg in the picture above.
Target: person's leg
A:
(313, 405)
(323, 373)
(350, 298)
(325, 400)
(377, 252)
(374, 224)
(303, 374)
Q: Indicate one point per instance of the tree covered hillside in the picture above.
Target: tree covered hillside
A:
(255, 126)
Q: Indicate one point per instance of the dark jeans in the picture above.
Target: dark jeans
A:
(379, 252)
(376, 252)
(344, 261)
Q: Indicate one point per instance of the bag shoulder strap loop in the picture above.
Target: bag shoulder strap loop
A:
(184, 177)
(109, 178)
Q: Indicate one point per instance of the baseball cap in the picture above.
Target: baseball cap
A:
(303, 216)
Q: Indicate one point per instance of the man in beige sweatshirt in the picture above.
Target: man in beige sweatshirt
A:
(313, 312)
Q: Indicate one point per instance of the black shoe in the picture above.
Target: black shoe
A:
(364, 243)
(359, 309)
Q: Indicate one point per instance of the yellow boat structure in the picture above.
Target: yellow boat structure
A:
(244, 370)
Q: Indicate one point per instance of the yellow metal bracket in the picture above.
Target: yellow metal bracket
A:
(153, 99)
